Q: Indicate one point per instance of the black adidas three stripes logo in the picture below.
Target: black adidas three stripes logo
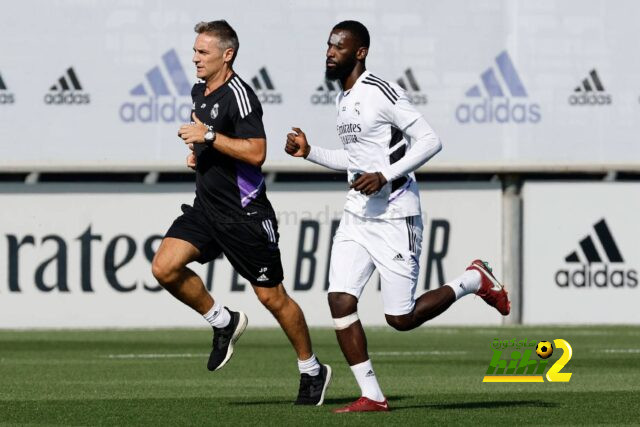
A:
(262, 81)
(329, 86)
(589, 85)
(590, 251)
(410, 83)
(67, 82)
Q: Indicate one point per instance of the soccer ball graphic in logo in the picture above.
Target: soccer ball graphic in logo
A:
(544, 349)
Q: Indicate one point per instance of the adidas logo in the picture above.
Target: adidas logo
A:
(590, 92)
(67, 81)
(494, 104)
(326, 93)
(398, 257)
(6, 97)
(370, 374)
(265, 90)
(589, 249)
(600, 249)
(262, 278)
(67, 90)
(409, 83)
(164, 96)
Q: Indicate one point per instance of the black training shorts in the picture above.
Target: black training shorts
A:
(251, 247)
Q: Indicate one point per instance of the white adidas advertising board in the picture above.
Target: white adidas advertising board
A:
(505, 83)
(79, 256)
(581, 253)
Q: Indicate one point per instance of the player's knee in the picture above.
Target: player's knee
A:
(342, 304)
(272, 299)
(164, 273)
(399, 323)
(345, 322)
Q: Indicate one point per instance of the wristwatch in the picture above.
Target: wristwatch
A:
(209, 137)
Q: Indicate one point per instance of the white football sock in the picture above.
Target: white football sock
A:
(468, 283)
(218, 316)
(309, 366)
(367, 381)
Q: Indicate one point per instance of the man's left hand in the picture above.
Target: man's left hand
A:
(369, 183)
(193, 133)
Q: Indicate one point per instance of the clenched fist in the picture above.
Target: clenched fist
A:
(297, 145)
(369, 183)
(193, 133)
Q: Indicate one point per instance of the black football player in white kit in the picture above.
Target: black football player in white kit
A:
(385, 139)
(231, 213)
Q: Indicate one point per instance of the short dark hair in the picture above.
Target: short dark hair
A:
(224, 32)
(357, 30)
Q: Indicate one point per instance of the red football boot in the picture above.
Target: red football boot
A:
(491, 291)
(364, 404)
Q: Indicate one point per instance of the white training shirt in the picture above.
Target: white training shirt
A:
(381, 131)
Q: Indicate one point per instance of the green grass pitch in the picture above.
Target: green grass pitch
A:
(432, 375)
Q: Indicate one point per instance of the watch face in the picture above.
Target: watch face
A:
(208, 136)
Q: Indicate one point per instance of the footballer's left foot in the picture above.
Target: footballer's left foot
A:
(225, 338)
(491, 291)
(364, 404)
(312, 389)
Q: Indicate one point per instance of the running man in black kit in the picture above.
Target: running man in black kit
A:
(231, 213)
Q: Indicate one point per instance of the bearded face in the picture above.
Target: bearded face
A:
(341, 55)
(340, 70)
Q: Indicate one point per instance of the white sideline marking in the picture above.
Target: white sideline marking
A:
(154, 355)
(188, 355)
(621, 350)
(416, 353)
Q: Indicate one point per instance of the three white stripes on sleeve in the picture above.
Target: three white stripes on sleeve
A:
(241, 96)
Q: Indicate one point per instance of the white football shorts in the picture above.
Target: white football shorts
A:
(391, 245)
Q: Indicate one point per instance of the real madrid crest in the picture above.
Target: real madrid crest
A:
(214, 111)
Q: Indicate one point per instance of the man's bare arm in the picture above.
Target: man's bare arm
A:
(249, 150)
(297, 146)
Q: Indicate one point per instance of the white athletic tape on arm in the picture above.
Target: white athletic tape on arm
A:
(346, 321)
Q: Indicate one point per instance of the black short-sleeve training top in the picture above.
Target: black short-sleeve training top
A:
(229, 190)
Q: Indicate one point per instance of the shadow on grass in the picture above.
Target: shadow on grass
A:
(333, 401)
(482, 405)
(396, 403)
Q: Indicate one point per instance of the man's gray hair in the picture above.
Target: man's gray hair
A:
(228, 39)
